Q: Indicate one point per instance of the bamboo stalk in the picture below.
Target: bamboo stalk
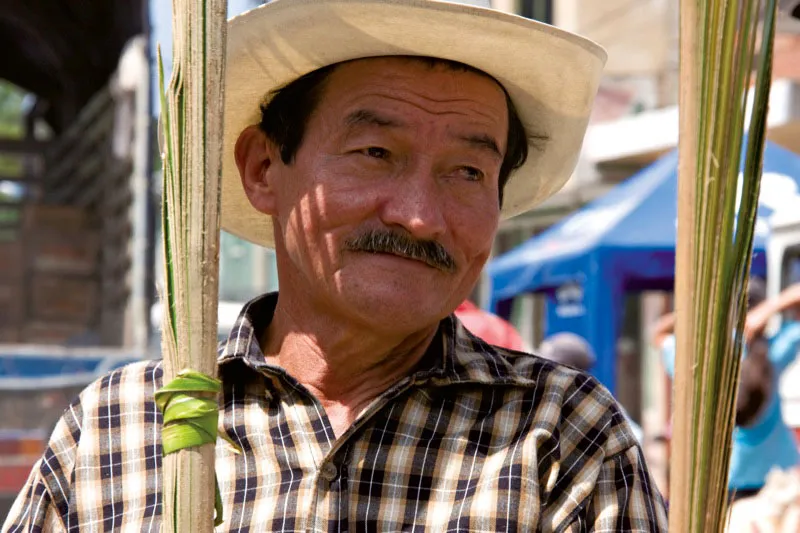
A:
(192, 136)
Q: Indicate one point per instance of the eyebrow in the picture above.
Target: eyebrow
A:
(483, 141)
(366, 117)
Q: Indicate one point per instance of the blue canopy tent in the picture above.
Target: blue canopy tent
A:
(623, 241)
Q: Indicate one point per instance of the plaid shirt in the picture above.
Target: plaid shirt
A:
(477, 439)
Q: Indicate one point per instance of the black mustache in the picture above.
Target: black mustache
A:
(392, 242)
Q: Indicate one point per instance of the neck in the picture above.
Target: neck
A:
(345, 366)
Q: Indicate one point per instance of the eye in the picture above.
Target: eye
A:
(376, 152)
(470, 173)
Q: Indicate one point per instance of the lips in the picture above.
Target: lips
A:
(407, 257)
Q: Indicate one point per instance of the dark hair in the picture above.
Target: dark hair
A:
(285, 115)
(755, 384)
(756, 291)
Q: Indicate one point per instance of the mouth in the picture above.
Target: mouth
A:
(417, 260)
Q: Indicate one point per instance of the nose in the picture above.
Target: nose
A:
(415, 204)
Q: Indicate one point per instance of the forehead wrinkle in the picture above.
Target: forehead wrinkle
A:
(394, 79)
(478, 109)
(375, 96)
(471, 132)
(478, 139)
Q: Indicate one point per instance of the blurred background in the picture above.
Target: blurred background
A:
(80, 253)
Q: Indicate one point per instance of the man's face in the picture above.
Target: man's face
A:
(393, 146)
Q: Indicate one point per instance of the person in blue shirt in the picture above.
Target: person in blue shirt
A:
(761, 440)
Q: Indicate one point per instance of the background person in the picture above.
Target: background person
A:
(761, 440)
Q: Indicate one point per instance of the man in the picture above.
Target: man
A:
(761, 440)
(358, 401)
(568, 349)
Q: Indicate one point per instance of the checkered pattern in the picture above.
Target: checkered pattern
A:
(478, 439)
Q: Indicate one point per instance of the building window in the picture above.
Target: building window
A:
(541, 10)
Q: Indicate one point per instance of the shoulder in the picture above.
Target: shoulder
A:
(575, 404)
(125, 387)
(783, 346)
(585, 445)
(106, 405)
(113, 416)
(115, 407)
(788, 332)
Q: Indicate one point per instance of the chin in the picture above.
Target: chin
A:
(399, 294)
(398, 307)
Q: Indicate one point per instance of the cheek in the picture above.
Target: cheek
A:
(312, 199)
(340, 200)
(317, 222)
(474, 231)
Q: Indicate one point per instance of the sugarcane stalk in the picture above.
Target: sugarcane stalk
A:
(191, 117)
(714, 248)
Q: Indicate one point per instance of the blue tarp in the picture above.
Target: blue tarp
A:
(40, 367)
(623, 241)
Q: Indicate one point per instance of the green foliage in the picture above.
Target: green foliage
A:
(11, 125)
(11, 119)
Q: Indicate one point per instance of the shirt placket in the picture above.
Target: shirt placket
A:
(318, 502)
(331, 502)
(331, 495)
(328, 499)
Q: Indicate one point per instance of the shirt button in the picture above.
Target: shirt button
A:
(329, 471)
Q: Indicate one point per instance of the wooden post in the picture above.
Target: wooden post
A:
(192, 169)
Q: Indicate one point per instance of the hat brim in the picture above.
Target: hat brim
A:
(551, 75)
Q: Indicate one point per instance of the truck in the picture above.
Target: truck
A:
(77, 212)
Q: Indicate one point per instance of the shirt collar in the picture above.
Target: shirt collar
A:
(455, 355)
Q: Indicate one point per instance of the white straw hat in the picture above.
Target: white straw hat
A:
(551, 75)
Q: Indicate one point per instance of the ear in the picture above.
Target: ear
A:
(255, 158)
